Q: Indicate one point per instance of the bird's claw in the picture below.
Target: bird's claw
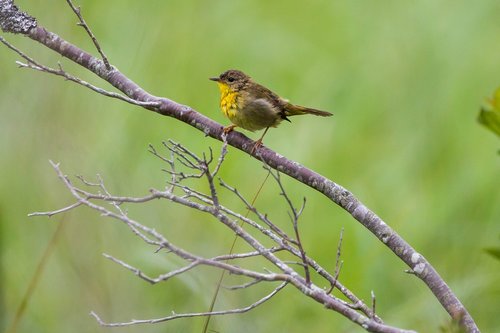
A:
(228, 129)
(256, 146)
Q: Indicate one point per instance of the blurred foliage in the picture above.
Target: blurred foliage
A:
(403, 80)
(494, 251)
(489, 115)
(453, 326)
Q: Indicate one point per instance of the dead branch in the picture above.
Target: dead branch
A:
(283, 272)
(193, 314)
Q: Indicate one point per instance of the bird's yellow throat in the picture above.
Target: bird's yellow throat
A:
(228, 100)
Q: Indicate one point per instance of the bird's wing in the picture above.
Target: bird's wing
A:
(264, 95)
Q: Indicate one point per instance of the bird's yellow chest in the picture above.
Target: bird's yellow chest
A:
(228, 101)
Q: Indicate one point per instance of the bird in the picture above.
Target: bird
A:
(252, 106)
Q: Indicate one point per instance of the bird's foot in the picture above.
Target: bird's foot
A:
(228, 129)
(256, 146)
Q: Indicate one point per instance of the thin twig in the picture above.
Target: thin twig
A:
(295, 220)
(35, 279)
(83, 24)
(54, 212)
(254, 210)
(373, 304)
(33, 64)
(160, 278)
(190, 315)
(243, 286)
(222, 155)
(338, 262)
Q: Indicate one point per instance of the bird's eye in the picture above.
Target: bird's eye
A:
(230, 79)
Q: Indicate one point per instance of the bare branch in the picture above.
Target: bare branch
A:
(251, 208)
(194, 314)
(33, 64)
(77, 11)
(373, 303)
(295, 221)
(151, 236)
(162, 277)
(193, 264)
(55, 212)
(333, 280)
(243, 286)
(161, 242)
(222, 155)
(338, 263)
(233, 256)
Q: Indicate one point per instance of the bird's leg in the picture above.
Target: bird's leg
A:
(258, 143)
(229, 128)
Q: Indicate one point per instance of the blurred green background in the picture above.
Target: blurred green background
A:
(405, 80)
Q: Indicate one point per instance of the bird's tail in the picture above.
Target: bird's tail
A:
(295, 110)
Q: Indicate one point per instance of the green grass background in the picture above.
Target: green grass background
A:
(405, 80)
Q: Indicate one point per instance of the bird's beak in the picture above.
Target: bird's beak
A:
(216, 79)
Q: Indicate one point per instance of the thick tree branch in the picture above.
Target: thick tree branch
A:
(12, 20)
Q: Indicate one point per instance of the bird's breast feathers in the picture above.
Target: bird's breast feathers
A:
(228, 100)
